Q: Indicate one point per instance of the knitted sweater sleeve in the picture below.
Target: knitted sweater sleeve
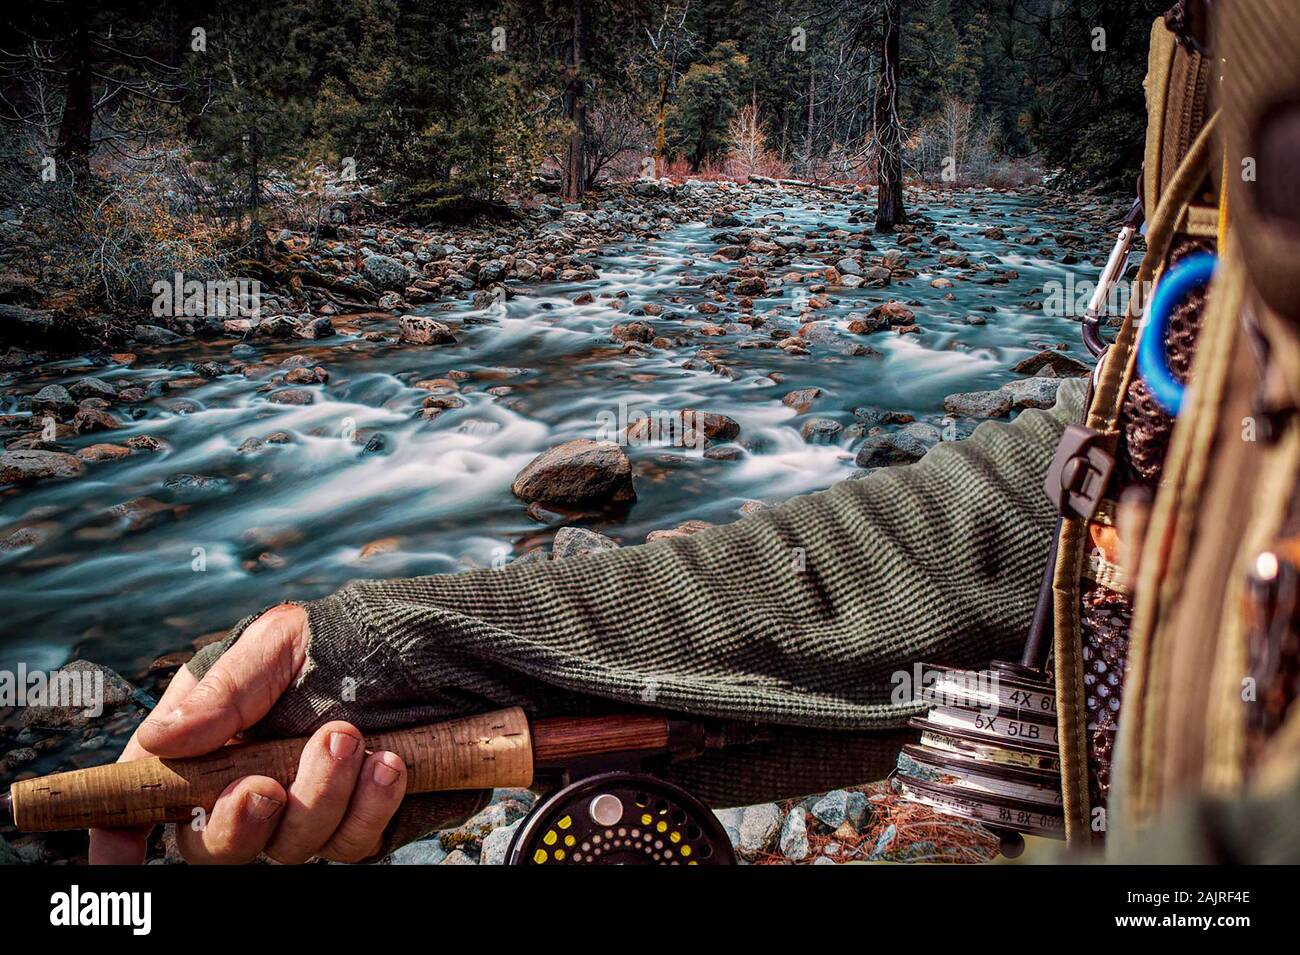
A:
(797, 616)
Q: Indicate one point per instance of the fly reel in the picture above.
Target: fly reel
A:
(620, 818)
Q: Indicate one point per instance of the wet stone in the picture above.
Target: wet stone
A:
(802, 399)
(978, 404)
(820, 430)
(574, 541)
(18, 467)
(80, 694)
(577, 472)
(54, 400)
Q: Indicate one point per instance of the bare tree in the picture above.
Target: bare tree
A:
(748, 143)
(616, 130)
(956, 126)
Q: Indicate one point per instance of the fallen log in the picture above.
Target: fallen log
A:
(799, 183)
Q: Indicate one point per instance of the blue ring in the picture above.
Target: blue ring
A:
(1175, 285)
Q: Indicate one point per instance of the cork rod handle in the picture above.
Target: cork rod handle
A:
(478, 752)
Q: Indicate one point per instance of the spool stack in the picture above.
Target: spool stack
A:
(988, 750)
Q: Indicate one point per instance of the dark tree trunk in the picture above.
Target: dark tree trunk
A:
(73, 149)
(889, 134)
(256, 231)
(575, 110)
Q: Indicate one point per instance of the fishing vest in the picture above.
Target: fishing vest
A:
(1174, 593)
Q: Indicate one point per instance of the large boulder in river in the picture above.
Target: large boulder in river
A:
(577, 472)
(18, 467)
(418, 330)
(384, 273)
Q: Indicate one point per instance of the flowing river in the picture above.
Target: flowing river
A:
(212, 532)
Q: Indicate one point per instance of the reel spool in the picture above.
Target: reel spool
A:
(988, 751)
(620, 818)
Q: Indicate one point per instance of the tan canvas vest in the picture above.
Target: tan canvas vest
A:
(1227, 489)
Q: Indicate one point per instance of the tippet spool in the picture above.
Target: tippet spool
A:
(621, 819)
(995, 813)
(988, 750)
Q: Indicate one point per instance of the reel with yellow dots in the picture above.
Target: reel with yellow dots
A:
(621, 819)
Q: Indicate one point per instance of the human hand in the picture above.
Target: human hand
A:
(338, 805)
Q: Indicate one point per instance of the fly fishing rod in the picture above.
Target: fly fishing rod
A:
(605, 817)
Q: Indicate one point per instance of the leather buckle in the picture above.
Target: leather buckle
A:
(1080, 472)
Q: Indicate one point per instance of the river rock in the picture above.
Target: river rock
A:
(978, 404)
(633, 332)
(759, 826)
(495, 844)
(1057, 363)
(424, 852)
(24, 538)
(573, 541)
(904, 446)
(716, 427)
(92, 388)
(154, 335)
(802, 399)
(794, 836)
(384, 273)
(1036, 392)
(18, 467)
(458, 857)
(418, 330)
(78, 695)
(146, 442)
(684, 529)
(91, 420)
(318, 327)
(103, 452)
(291, 396)
(832, 809)
(53, 400)
(893, 313)
(577, 472)
(820, 430)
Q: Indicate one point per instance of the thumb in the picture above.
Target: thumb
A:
(239, 690)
